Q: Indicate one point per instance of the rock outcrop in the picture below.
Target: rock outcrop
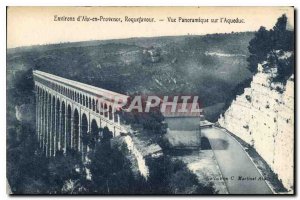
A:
(138, 151)
(25, 113)
(263, 116)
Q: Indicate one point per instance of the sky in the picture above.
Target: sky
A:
(36, 25)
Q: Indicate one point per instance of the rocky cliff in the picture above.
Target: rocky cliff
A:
(263, 116)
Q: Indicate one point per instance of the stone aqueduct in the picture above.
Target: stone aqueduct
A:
(66, 110)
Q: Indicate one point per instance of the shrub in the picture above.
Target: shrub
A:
(248, 97)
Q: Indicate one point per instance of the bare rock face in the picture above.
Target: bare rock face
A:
(263, 116)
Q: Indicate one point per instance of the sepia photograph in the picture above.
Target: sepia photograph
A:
(150, 100)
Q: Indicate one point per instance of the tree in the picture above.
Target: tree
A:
(266, 42)
(259, 47)
(110, 169)
(106, 135)
(167, 176)
(282, 38)
(63, 168)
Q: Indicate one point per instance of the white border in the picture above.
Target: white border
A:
(5, 3)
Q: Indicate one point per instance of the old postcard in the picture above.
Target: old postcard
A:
(150, 100)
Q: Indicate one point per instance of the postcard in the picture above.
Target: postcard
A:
(150, 100)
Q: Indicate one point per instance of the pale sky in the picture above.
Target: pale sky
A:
(35, 25)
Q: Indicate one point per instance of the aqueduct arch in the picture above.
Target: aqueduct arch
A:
(67, 109)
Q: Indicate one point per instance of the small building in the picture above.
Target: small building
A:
(183, 127)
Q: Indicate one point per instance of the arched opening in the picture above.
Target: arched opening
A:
(41, 115)
(115, 116)
(97, 106)
(94, 134)
(45, 121)
(86, 102)
(69, 115)
(48, 123)
(93, 105)
(105, 110)
(90, 103)
(101, 108)
(57, 134)
(80, 99)
(110, 113)
(63, 123)
(84, 133)
(94, 129)
(76, 130)
(52, 145)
